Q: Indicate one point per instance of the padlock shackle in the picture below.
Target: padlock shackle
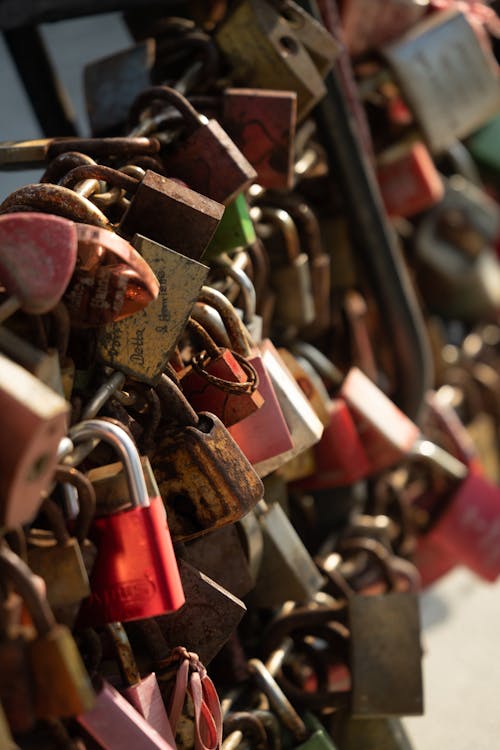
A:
(245, 284)
(124, 445)
(303, 216)
(234, 327)
(203, 338)
(54, 199)
(124, 653)
(170, 96)
(100, 172)
(211, 321)
(177, 405)
(278, 700)
(64, 163)
(86, 498)
(319, 361)
(25, 583)
(282, 220)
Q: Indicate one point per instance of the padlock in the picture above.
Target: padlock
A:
(112, 83)
(34, 421)
(111, 280)
(310, 383)
(57, 558)
(322, 47)
(37, 258)
(287, 571)
(62, 686)
(135, 574)
(482, 147)
(210, 554)
(6, 739)
(209, 617)
(220, 381)
(202, 144)
(142, 344)
(264, 51)
(388, 733)
(253, 436)
(408, 179)
(262, 124)
(142, 693)
(385, 655)
(235, 229)
(386, 433)
(468, 527)
(305, 427)
(455, 247)
(366, 24)
(248, 311)
(205, 480)
(319, 261)
(17, 692)
(340, 457)
(428, 64)
(161, 209)
(113, 722)
(292, 281)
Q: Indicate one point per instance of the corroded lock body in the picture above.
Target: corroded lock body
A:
(203, 144)
(204, 478)
(161, 209)
(257, 41)
(262, 124)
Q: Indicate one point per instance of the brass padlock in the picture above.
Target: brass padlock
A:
(291, 279)
(204, 479)
(62, 685)
(142, 344)
(264, 51)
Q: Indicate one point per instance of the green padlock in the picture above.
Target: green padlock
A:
(483, 146)
(319, 738)
(235, 229)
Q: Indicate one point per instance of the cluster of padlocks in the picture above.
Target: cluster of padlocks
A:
(226, 466)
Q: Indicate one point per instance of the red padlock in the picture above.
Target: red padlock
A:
(468, 529)
(408, 179)
(386, 433)
(135, 575)
(263, 435)
(340, 457)
(37, 258)
(220, 381)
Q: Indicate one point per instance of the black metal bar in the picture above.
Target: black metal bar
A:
(15, 13)
(377, 245)
(30, 57)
